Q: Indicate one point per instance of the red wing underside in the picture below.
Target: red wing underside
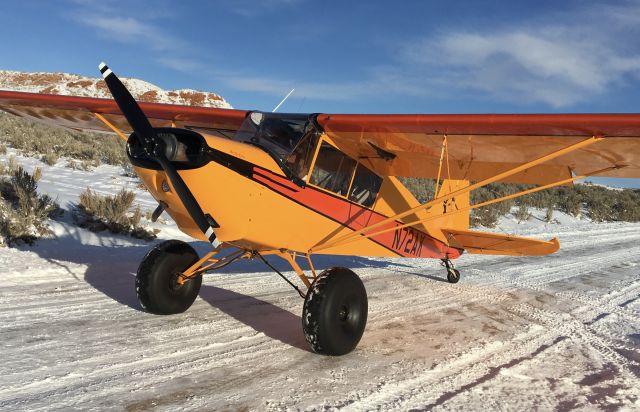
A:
(78, 113)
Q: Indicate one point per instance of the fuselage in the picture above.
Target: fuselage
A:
(258, 207)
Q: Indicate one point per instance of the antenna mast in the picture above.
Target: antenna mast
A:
(283, 100)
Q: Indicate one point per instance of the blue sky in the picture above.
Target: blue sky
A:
(347, 56)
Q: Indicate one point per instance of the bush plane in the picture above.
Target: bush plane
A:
(297, 185)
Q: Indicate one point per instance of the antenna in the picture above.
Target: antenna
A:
(283, 100)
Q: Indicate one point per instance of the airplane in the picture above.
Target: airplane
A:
(257, 183)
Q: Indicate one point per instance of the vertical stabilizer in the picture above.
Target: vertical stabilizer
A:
(395, 198)
(442, 211)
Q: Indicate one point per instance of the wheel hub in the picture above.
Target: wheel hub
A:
(344, 313)
(174, 282)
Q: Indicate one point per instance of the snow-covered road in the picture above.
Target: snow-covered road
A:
(557, 332)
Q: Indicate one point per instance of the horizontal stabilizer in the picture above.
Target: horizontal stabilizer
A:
(498, 244)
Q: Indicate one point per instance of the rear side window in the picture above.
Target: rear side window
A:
(333, 170)
(365, 187)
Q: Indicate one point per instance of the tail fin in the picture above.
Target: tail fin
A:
(442, 213)
(396, 198)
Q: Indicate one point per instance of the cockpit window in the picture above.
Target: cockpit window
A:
(333, 170)
(278, 133)
(299, 161)
(291, 140)
(337, 172)
(365, 186)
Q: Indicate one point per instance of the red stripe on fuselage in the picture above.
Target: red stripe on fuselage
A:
(407, 242)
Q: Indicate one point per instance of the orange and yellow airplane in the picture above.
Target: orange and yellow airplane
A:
(295, 185)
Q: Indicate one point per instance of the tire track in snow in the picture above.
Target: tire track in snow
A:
(460, 372)
(224, 362)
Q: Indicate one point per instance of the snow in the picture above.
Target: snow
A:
(516, 333)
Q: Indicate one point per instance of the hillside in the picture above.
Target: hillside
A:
(75, 85)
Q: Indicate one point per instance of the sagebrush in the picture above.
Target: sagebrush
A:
(24, 213)
(114, 213)
(600, 204)
(50, 143)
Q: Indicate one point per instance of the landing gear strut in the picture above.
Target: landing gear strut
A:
(453, 275)
(335, 308)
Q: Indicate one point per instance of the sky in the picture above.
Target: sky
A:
(346, 56)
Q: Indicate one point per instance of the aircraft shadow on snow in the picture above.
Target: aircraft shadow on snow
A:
(111, 270)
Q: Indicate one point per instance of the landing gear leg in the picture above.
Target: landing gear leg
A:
(335, 308)
(453, 275)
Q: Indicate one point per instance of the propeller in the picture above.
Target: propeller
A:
(157, 148)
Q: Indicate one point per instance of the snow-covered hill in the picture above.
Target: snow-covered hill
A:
(75, 85)
(560, 332)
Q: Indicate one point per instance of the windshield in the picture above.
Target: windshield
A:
(277, 133)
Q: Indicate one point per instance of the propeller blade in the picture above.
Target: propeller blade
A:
(189, 202)
(156, 148)
(129, 107)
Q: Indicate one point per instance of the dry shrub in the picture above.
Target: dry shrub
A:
(12, 164)
(422, 189)
(37, 174)
(33, 138)
(548, 216)
(485, 216)
(522, 213)
(114, 213)
(601, 204)
(23, 213)
(50, 158)
(86, 165)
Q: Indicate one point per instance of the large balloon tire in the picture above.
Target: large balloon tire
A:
(335, 312)
(156, 281)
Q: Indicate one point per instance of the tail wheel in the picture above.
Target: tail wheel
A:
(335, 312)
(157, 284)
(453, 275)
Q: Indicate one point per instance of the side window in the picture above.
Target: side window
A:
(365, 187)
(333, 170)
(300, 159)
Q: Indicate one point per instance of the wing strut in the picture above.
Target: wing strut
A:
(479, 205)
(445, 149)
(355, 235)
(111, 126)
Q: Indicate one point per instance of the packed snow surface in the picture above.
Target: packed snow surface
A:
(516, 333)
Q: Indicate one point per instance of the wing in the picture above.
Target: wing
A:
(481, 146)
(79, 113)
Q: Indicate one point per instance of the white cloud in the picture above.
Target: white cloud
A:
(557, 64)
(252, 8)
(181, 64)
(130, 30)
(559, 61)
